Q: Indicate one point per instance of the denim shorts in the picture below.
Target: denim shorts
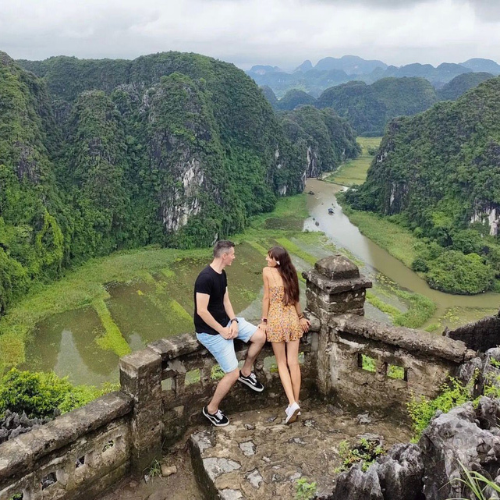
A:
(223, 349)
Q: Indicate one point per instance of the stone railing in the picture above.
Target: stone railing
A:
(86, 450)
(346, 360)
(163, 389)
(480, 335)
(366, 364)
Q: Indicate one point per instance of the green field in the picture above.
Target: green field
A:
(159, 281)
(353, 172)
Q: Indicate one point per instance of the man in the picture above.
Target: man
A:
(217, 326)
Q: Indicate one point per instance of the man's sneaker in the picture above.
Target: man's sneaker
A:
(292, 413)
(218, 418)
(251, 381)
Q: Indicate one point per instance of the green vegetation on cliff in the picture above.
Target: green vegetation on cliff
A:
(294, 98)
(439, 175)
(319, 138)
(461, 84)
(100, 155)
(369, 107)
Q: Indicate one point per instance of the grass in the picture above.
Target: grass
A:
(80, 287)
(397, 240)
(420, 308)
(353, 172)
(112, 339)
(296, 250)
(85, 285)
(377, 302)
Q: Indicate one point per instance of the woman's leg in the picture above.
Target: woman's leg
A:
(280, 354)
(292, 359)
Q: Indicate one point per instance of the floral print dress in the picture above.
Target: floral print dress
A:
(282, 320)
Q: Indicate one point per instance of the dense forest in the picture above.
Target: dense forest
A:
(438, 173)
(326, 139)
(171, 149)
(461, 84)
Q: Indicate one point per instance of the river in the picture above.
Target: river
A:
(377, 260)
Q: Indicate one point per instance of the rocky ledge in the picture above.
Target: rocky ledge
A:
(257, 456)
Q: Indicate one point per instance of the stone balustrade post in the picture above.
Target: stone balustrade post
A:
(334, 287)
(140, 378)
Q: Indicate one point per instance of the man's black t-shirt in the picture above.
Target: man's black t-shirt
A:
(214, 284)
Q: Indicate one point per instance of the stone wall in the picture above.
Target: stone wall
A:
(480, 335)
(77, 455)
(366, 364)
(163, 389)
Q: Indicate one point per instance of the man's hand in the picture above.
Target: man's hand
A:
(227, 333)
(233, 327)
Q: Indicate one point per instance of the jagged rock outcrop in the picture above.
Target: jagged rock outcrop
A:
(397, 475)
(465, 437)
(12, 425)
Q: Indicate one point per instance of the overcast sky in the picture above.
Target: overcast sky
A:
(248, 32)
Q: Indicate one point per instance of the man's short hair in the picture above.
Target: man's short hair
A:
(222, 246)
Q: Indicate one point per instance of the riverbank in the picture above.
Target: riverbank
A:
(387, 251)
(353, 172)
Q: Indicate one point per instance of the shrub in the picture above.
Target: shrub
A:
(422, 410)
(419, 265)
(305, 490)
(365, 451)
(39, 394)
(467, 241)
(454, 272)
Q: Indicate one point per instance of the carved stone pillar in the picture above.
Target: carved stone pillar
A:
(140, 378)
(334, 287)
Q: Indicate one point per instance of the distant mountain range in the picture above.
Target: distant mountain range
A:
(368, 108)
(331, 71)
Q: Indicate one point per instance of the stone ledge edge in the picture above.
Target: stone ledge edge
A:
(27, 449)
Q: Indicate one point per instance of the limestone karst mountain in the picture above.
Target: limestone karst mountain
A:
(439, 173)
(98, 155)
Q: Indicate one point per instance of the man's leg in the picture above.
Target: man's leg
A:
(223, 387)
(223, 351)
(257, 341)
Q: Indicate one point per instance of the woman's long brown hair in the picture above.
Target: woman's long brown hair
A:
(288, 274)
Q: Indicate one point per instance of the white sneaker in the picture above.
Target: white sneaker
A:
(299, 414)
(292, 413)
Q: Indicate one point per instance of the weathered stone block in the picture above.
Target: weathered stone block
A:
(331, 287)
(337, 267)
(25, 450)
(173, 347)
(140, 376)
(414, 341)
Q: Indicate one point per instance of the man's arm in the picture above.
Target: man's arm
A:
(233, 327)
(202, 300)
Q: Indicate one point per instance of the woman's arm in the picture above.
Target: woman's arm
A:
(304, 322)
(265, 298)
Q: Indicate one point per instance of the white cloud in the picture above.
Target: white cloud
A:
(281, 32)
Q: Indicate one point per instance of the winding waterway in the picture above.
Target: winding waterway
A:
(346, 235)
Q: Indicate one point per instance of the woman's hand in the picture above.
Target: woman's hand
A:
(263, 326)
(304, 324)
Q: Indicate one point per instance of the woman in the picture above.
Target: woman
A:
(284, 323)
